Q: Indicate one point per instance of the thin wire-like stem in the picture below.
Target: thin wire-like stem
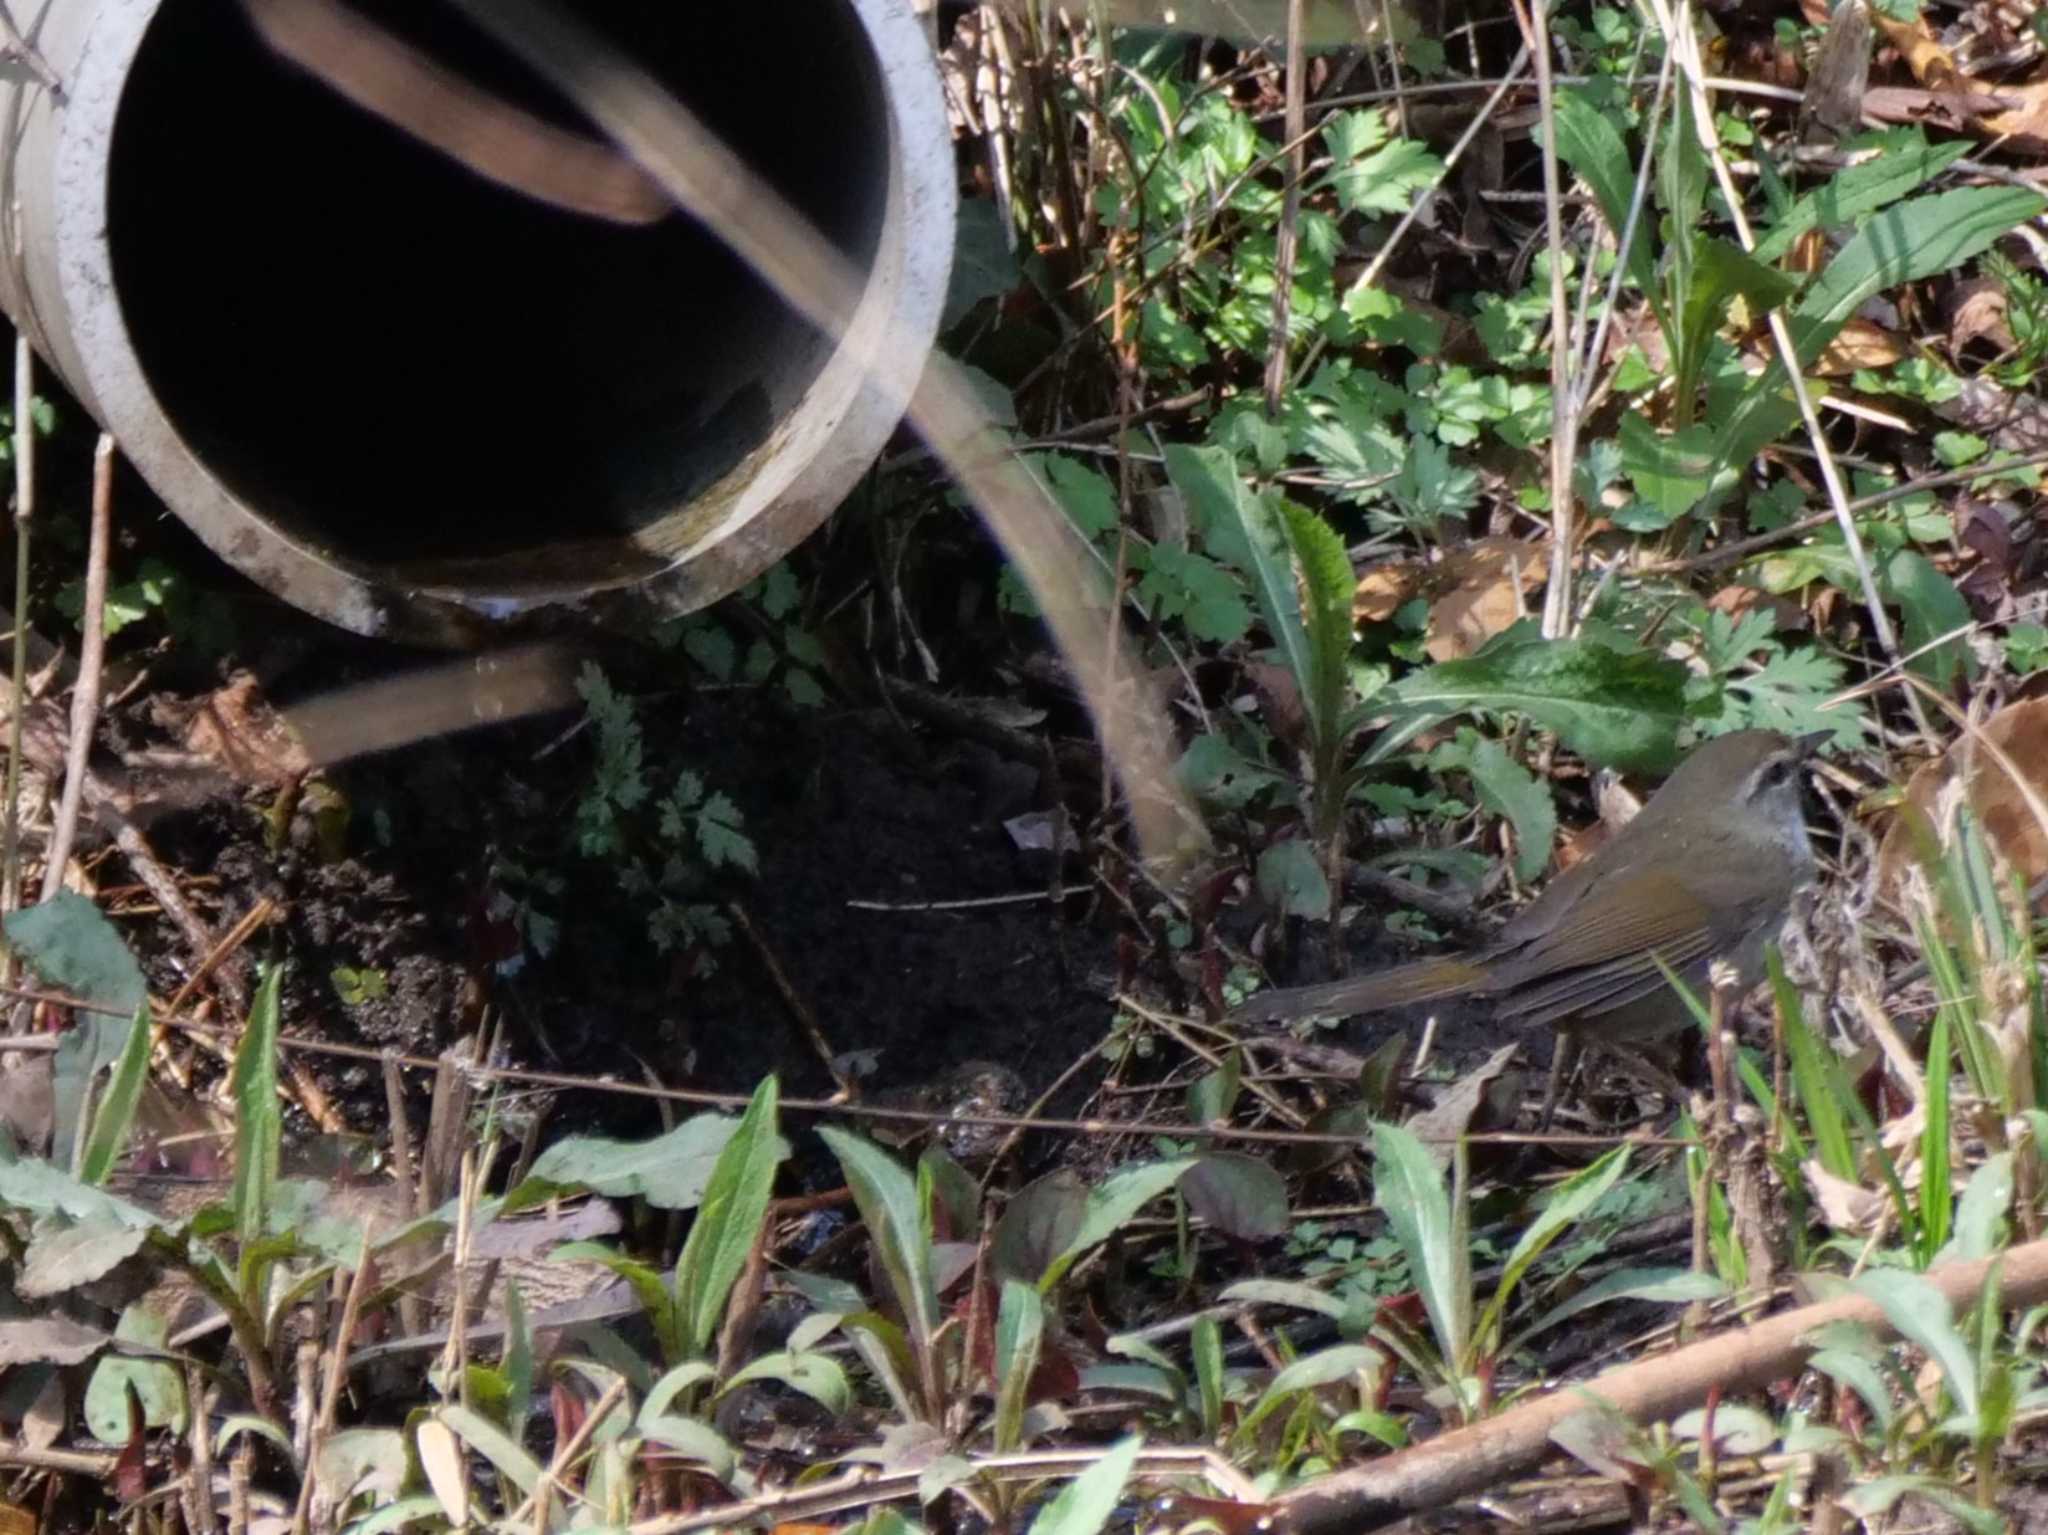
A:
(92, 650)
(1677, 21)
(24, 517)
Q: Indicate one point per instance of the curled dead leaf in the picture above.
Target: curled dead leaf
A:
(1860, 344)
(2005, 809)
(1479, 591)
(1383, 589)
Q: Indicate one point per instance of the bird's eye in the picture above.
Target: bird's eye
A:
(1773, 773)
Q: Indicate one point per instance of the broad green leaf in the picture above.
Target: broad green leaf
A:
(1571, 1199)
(1851, 194)
(1037, 1226)
(1326, 1367)
(648, 1284)
(1328, 587)
(818, 1376)
(1664, 1284)
(1980, 1213)
(1722, 273)
(505, 1453)
(71, 945)
(1618, 708)
(1238, 1195)
(887, 1199)
(1291, 880)
(1288, 1292)
(1922, 237)
(1084, 1505)
(1509, 789)
(1020, 1331)
(1588, 142)
(1670, 472)
(1930, 608)
(1923, 1317)
(728, 1221)
(1409, 1189)
(984, 263)
(669, 1171)
(698, 1441)
(1241, 527)
(1110, 1205)
(158, 1384)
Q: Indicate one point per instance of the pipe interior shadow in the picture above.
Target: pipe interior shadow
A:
(402, 362)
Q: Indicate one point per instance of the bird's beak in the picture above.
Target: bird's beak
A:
(1812, 742)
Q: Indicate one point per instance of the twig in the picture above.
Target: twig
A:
(1648, 1391)
(975, 903)
(1288, 231)
(24, 520)
(536, 1501)
(799, 1010)
(92, 652)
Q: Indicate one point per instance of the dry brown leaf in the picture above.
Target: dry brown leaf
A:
(1846, 1206)
(1487, 583)
(1736, 600)
(1978, 308)
(236, 729)
(2020, 730)
(1382, 590)
(1860, 344)
(1932, 65)
(1458, 1106)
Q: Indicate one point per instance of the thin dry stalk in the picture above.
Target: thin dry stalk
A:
(1286, 235)
(322, 1423)
(538, 1500)
(24, 520)
(92, 654)
(1684, 44)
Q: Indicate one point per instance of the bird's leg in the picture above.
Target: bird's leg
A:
(1564, 1057)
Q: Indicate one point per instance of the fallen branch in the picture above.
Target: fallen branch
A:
(1472, 1459)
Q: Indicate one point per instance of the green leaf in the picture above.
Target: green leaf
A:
(984, 265)
(671, 1171)
(818, 1376)
(1923, 1317)
(1242, 528)
(1218, 774)
(1571, 1200)
(1846, 198)
(886, 1196)
(1291, 880)
(76, 950)
(115, 1116)
(1020, 1330)
(1084, 1505)
(1238, 1195)
(158, 1385)
(1110, 1205)
(1929, 608)
(729, 1220)
(259, 1122)
(1588, 142)
(1409, 1189)
(1619, 708)
(1506, 788)
(1911, 240)
(1326, 1367)
(1670, 472)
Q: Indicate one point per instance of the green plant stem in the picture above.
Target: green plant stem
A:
(243, 1325)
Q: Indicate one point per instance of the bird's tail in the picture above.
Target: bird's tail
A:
(1422, 981)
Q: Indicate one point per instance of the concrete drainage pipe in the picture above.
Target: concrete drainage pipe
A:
(420, 404)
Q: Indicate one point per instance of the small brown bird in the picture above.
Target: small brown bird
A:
(1706, 870)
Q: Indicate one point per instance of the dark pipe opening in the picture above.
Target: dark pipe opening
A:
(403, 362)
